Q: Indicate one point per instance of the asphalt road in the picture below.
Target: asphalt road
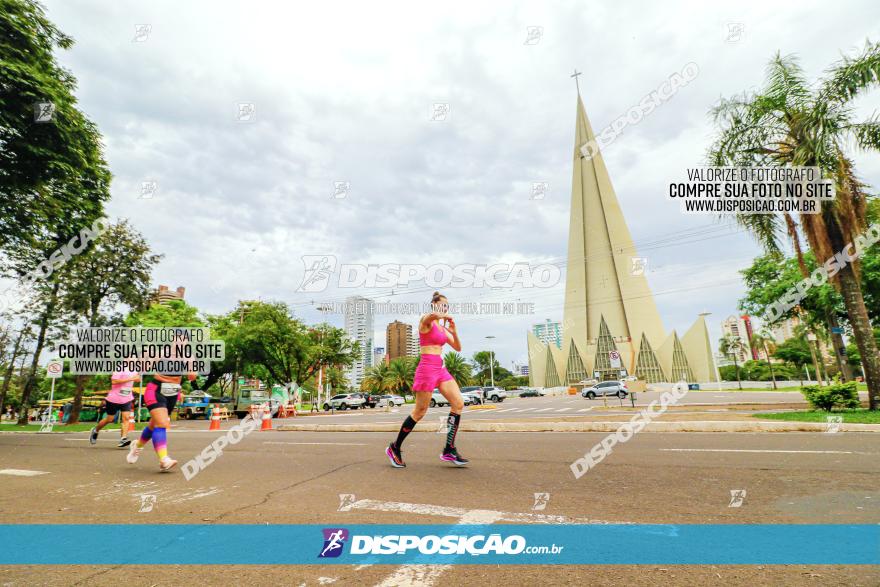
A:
(298, 477)
(565, 406)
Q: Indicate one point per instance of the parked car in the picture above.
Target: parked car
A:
(471, 398)
(531, 392)
(617, 388)
(194, 405)
(369, 400)
(384, 400)
(474, 392)
(343, 401)
(437, 399)
(496, 394)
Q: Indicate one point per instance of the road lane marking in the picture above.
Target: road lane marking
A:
(427, 575)
(585, 409)
(320, 443)
(563, 409)
(22, 472)
(813, 452)
(454, 512)
(545, 410)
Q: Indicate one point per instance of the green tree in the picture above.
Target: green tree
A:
(792, 122)
(763, 341)
(795, 350)
(377, 379)
(401, 372)
(458, 367)
(52, 169)
(731, 346)
(114, 272)
(175, 313)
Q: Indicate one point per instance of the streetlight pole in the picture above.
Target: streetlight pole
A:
(492, 363)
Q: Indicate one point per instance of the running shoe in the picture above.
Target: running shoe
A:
(93, 436)
(394, 455)
(451, 456)
(133, 454)
(123, 443)
(167, 464)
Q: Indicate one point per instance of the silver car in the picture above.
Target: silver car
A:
(344, 401)
(393, 400)
(617, 388)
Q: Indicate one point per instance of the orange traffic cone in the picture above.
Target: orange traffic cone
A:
(267, 418)
(131, 424)
(215, 420)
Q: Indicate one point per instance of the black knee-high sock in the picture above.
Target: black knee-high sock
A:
(451, 429)
(405, 429)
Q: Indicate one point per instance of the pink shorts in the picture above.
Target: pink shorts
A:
(430, 373)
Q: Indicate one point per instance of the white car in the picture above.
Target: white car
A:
(344, 401)
(496, 394)
(394, 400)
(437, 399)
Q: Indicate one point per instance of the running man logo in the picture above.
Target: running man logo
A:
(541, 501)
(318, 269)
(832, 424)
(334, 541)
(345, 501)
(737, 497)
(148, 500)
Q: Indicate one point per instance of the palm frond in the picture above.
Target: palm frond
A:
(852, 75)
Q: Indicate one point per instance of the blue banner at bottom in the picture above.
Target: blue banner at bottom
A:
(226, 544)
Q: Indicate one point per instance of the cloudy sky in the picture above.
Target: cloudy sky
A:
(344, 92)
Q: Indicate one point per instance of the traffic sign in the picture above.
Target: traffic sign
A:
(614, 357)
(55, 368)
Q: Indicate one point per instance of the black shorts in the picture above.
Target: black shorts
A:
(154, 398)
(111, 408)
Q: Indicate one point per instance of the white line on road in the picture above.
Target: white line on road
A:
(454, 512)
(814, 452)
(22, 472)
(563, 409)
(320, 443)
(585, 409)
(545, 410)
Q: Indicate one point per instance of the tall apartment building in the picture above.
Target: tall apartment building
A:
(549, 333)
(378, 355)
(740, 327)
(359, 327)
(785, 330)
(399, 340)
(163, 295)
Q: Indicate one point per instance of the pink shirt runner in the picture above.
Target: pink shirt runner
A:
(120, 393)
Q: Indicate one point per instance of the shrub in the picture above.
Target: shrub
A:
(837, 395)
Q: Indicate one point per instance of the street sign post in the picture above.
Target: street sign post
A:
(54, 370)
(614, 357)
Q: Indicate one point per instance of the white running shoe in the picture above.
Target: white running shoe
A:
(133, 454)
(167, 464)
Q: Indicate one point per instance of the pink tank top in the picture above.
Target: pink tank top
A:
(435, 336)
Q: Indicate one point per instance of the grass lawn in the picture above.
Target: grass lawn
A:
(83, 427)
(861, 416)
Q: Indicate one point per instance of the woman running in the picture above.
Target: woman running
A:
(161, 395)
(431, 374)
(118, 401)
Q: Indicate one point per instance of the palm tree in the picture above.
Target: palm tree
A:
(376, 379)
(763, 340)
(401, 373)
(458, 367)
(793, 123)
(731, 346)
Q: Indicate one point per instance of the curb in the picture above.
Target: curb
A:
(693, 426)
